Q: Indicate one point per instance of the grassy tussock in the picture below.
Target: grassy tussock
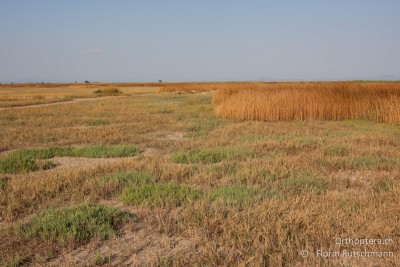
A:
(75, 224)
(379, 102)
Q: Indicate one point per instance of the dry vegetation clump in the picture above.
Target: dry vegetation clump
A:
(378, 101)
(107, 92)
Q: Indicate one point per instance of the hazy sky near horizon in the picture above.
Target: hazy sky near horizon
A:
(178, 40)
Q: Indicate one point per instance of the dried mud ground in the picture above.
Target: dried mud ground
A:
(254, 193)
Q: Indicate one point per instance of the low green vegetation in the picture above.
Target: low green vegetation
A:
(25, 160)
(125, 178)
(81, 223)
(98, 123)
(303, 182)
(337, 150)
(202, 126)
(166, 195)
(369, 162)
(8, 118)
(236, 194)
(211, 155)
(110, 185)
(361, 163)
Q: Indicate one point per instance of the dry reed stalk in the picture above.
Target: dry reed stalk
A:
(311, 101)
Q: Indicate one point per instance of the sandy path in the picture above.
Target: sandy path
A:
(62, 102)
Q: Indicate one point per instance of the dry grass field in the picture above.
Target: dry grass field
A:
(223, 174)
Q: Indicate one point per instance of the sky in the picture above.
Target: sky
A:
(207, 40)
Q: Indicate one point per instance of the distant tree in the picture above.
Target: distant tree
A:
(160, 81)
(42, 82)
(87, 82)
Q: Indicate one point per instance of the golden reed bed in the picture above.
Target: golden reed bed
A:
(378, 101)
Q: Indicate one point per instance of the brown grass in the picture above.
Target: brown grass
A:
(379, 101)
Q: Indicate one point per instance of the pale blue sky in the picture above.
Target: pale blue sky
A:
(183, 40)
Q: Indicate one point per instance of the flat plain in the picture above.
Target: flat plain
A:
(192, 175)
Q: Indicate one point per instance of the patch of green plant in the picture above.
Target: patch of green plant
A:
(8, 118)
(202, 126)
(25, 160)
(108, 92)
(224, 168)
(13, 163)
(165, 111)
(305, 141)
(165, 195)
(337, 150)
(236, 194)
(127, 178)
(303, 181)
(369, 162)
(80, 223)
(251, 137)
(211, 155)
(98, 123)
